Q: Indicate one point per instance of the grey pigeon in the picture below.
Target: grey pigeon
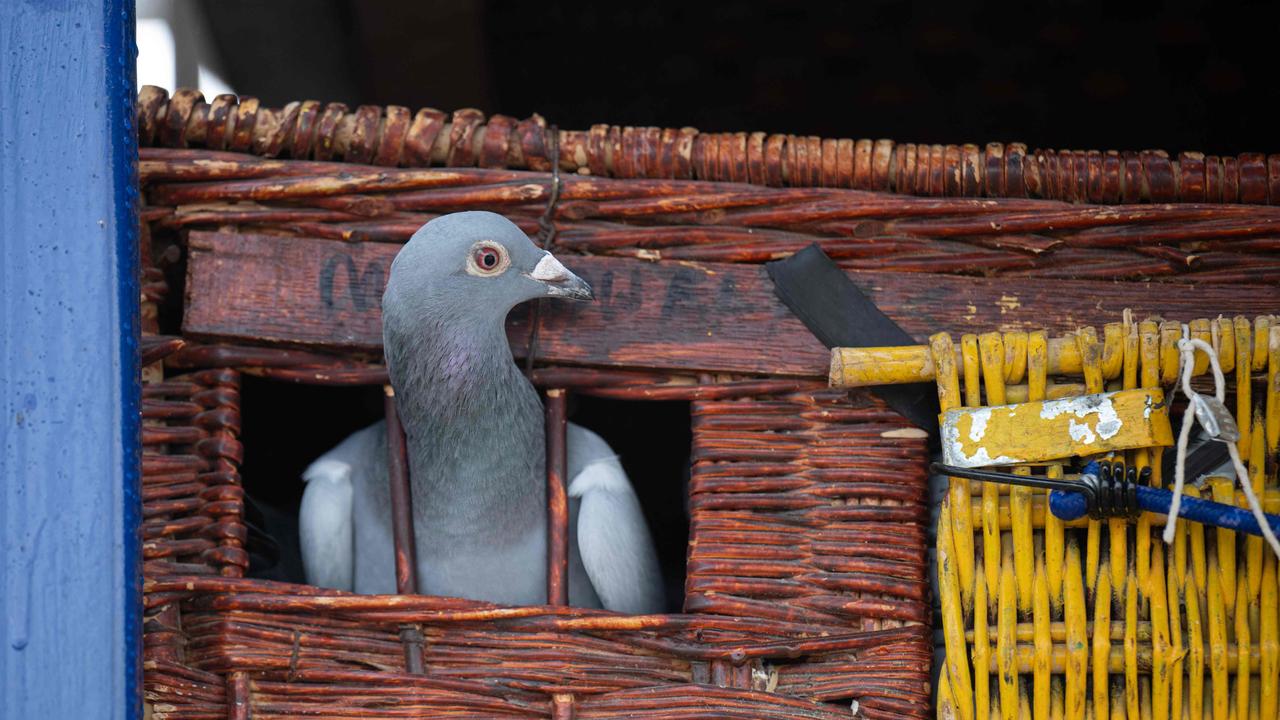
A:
(474, 428)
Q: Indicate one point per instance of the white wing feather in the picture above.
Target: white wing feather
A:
(325, 525)
(614, 541)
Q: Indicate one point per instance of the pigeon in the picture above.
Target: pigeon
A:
(476, 444)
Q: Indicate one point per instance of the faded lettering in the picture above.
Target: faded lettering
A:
(363, 288)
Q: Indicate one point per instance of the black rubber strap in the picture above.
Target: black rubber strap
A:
(838, 313)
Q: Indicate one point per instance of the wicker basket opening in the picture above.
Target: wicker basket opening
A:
(285, 426)
(653, 441)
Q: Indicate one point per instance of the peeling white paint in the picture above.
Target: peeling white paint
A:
(953, 449)
(982, 458)
(1107, 424)
(1080, 432)
(979, 419)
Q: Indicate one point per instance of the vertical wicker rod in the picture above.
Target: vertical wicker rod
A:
(238, 696)
(721, 673)
(562, 707)
(402, 525)
(401, 502)
(557, 500)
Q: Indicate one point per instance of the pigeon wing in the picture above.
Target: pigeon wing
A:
(325, 527)
(613, 539)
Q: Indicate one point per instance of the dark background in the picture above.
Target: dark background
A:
(1116, 75)
(1102, 76)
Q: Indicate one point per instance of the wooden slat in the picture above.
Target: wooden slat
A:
(326, 294)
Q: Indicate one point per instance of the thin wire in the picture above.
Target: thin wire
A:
(1032, 481)
(546, 236)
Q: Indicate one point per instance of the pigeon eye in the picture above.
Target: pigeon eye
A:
(487, 259)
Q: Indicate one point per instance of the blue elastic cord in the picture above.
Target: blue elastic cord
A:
(1073, 506)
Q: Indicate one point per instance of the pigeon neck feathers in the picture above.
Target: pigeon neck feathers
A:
(474, 425)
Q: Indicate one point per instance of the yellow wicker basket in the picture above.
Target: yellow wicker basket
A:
(1100, 619)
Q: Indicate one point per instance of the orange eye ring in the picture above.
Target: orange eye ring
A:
(487, 259)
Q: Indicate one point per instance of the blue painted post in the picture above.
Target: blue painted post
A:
(69, 393)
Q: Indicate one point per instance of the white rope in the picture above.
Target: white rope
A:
(1188, 422)
(1187, 359)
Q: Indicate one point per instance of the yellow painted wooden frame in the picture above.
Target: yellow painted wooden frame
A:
(1033, 432)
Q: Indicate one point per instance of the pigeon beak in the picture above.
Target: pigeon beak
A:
(559, 281)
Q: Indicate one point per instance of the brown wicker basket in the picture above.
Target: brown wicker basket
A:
(806, 590)
(852, 625)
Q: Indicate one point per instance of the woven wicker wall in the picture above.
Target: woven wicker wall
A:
(807, 581)
(852, 575)
(396, 136)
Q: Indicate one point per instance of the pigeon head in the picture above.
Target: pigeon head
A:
(474, 266)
